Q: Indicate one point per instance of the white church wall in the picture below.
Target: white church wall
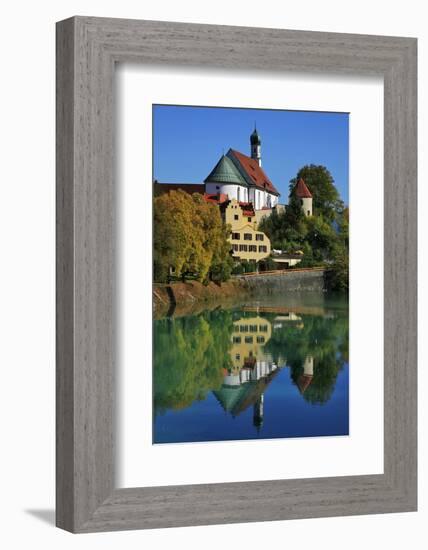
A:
(237, 192)
(273, 200)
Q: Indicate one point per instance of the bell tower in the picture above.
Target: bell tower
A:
(256, 146)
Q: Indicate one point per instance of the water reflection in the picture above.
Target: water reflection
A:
(213, 369)
(251, 369)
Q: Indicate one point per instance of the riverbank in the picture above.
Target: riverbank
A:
(192, 296)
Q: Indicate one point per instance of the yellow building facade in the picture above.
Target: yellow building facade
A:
(247, 243)
(250, 335)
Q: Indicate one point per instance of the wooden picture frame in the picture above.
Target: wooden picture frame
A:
(87, 50)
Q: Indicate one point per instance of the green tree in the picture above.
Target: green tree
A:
(343, 227)
(338, 273)
(191, 356)
(324, 339)
(287, 229)
(321, 238)
(324, 236)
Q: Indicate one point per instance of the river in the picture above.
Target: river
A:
(275, 367)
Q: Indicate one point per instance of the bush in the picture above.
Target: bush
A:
(268, 264)
(237, 269)
(337, 277)
(244, 266)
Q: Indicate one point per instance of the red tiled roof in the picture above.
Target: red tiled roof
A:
(187, 187)
(302, 191)
(216, 198)
(247, 208)
(254, 172)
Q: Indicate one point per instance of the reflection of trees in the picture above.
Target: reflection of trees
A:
(324, 339)
(190, 354)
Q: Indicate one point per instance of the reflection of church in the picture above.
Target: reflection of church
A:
(252, 369)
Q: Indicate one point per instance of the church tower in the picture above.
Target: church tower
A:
(256, 147)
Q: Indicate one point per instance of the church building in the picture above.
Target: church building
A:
(245, 195)
(242, 177)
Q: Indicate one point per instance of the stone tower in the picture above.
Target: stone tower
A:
(304, 196)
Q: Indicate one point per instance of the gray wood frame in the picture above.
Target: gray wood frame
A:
(87, 50)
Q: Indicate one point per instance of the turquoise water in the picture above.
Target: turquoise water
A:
(272, 368)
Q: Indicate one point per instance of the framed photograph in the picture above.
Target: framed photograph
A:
(236, 274)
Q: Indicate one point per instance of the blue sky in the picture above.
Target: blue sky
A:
(188, 142)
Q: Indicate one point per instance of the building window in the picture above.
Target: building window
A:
(236, 339)
(263, 328)
(301, 202)
(243, 328)
(252, 248)
(260, 339)
(309, 212)
(249, 218)
(235, 236)
(242, 248)
(235, 247)
(237, 357)
(248, 339)
(248, 237)
(236, 217)
(253, 328)
(262, 248)
(260, 237)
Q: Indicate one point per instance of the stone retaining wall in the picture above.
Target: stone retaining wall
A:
(290, 281)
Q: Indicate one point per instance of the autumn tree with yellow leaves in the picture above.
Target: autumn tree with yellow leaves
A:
(190, 238)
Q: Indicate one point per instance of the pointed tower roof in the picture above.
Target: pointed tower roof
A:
(255, 138)
(303, 382)
(301, 190)
(225, 172)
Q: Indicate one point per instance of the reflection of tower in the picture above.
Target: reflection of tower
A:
(305, 379)
(308, 366)
(258, 412)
